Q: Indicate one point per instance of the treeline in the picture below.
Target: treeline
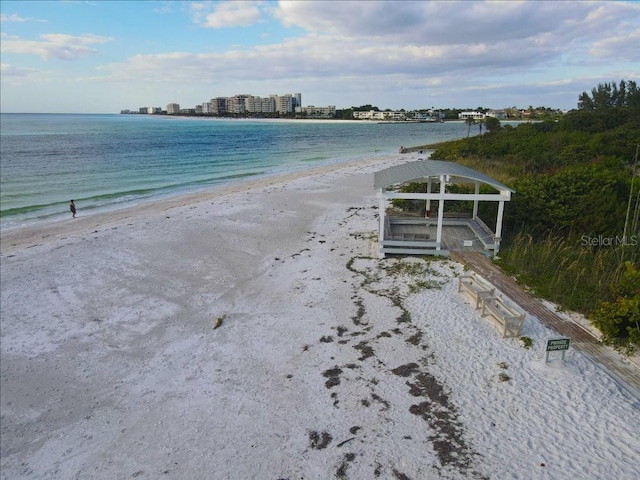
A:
(572, 227)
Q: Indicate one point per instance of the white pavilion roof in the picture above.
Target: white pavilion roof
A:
(421, 170)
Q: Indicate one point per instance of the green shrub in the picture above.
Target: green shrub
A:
(619, 319)
(526, 342)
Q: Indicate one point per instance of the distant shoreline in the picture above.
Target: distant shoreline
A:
(24, 236)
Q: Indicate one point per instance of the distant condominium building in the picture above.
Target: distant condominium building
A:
(218, 105)
(475, 115)
(173, 109)
(399, 116)
(380, 116)
(284, 103)
(244, 103)
(317, 112)
(238, 103)
(207, 108)
(260, 105)
(499, 114)
(370, 115)
(287, 103)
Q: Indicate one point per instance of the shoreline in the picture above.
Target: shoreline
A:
(26, 236)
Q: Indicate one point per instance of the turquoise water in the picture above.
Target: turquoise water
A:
(106, 162)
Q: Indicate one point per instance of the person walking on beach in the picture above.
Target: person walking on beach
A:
(72, 207)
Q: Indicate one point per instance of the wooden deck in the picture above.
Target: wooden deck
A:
(462, 234)
(625, 373)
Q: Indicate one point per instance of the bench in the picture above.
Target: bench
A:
(509, 318)
(389, 235)
(475, 286)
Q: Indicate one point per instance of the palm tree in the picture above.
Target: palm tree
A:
(469, 121)
(480, 124)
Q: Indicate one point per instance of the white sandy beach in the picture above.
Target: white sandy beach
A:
(327, 364)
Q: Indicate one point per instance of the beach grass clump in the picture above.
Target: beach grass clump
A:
(526, 342)
(417, 272)
(562, 271)
(420, 285)
(597, 282)
(406, 267)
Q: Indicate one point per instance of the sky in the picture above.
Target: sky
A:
(106, 56)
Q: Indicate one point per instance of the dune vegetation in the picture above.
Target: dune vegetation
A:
(572, 228)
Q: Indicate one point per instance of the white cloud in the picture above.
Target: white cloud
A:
(8, 70)
(164, 7)
(15, 75)
(57, 45)
(462, 22)
(226, 14)
(18, 19)
(623, 47)
(425, 22)
(329, 56)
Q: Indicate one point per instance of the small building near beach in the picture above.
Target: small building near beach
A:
(431, 229)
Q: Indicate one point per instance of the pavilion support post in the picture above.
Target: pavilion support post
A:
(476, 201)
(427, 212)
(382, 215)
(496, 248)
(440, 212)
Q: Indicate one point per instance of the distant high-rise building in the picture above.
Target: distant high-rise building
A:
(173, 109)
(259, 105)
(268, 105)
(287, 103)
(253, 104)
(218, 105)
(207, 109)
(238, 103)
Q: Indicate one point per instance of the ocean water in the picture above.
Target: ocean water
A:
(107, 162)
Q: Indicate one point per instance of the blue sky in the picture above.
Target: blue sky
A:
(104, 56)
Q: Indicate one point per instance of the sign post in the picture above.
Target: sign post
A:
(557, 345)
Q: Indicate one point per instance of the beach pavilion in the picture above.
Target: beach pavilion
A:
(437, 232)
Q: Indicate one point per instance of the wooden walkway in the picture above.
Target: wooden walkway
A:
(625, 373)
